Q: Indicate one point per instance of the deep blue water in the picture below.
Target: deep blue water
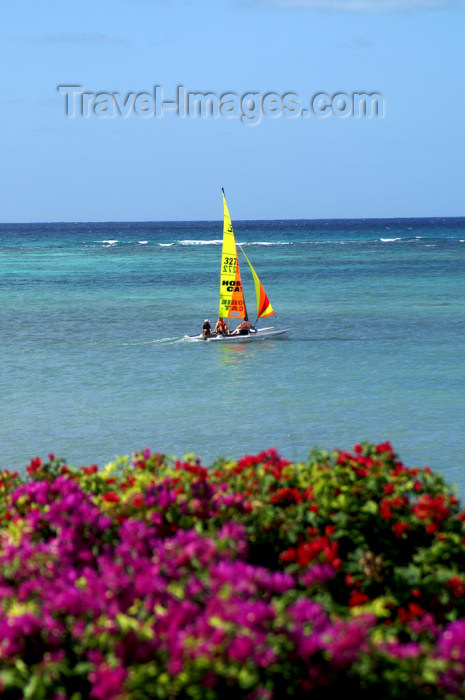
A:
(95, 363)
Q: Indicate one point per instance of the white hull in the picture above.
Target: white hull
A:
(260, 334)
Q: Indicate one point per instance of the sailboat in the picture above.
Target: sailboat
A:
(232, 301)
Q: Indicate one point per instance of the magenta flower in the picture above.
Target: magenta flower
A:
(240, 648)
(317, 575)
(107, 683)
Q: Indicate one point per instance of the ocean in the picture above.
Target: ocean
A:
(95, 362)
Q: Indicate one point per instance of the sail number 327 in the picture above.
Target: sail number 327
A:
(229, 264)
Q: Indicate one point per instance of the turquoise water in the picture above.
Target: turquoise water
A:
(95, 363)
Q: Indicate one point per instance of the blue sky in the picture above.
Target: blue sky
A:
(410, 162)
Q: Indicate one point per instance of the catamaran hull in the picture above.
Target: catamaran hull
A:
(260, 334)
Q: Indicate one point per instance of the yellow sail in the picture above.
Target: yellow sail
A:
(264, 307)
(232, 304)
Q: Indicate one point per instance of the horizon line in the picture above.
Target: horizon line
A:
(211, 221)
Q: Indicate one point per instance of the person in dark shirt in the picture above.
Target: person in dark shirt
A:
(206, 328)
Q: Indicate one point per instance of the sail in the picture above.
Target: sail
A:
(264, 307)
(232, 304)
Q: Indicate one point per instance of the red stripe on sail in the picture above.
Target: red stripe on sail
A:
(265, 308)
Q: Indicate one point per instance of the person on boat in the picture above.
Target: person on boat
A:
(221, 327)
(206, 328)
(244, 327)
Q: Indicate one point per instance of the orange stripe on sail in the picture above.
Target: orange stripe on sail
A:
(264, 306)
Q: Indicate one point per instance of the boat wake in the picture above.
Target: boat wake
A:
(167, 341)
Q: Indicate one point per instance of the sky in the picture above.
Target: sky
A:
(120, 154)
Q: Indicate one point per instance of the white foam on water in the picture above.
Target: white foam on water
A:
(267, 243)
(195, 242)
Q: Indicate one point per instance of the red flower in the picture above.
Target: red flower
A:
(414, 610)
(399, 528)
(343, 457)
(34, 465)
(365, 461)
(357, 598)
(385, 509)
(305, 554)
(288, 555)
(309, 551)
(388, 488)
(90, 470)
(432, 509)
(384, 447)
(137, 500)
(400, 469)
(457, 586)
(110, 497)
(290, 495)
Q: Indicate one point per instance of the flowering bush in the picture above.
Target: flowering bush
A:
(254, 579)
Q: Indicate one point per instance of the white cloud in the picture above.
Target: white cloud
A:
(365, 5)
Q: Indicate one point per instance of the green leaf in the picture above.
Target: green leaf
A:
(32, 689)
(411, 574)
(370, 507)
(176, 590)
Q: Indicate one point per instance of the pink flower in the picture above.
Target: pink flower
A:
(107, 683)
(240, 648)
